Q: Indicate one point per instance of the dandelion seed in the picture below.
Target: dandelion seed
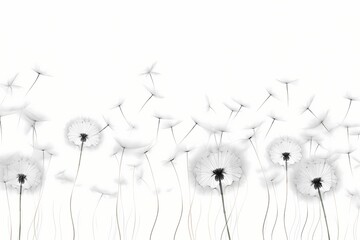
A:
(232, 110)
(82, 132)
(39, 73)
(241, 106)
(285, 151)
(192, 128)
(33, 120)
(159, 117)
(23, 175)
(9, 87)
(150, 72)
(208, 104)
(287, 82)
(351, 99)
(314, 179)
(320, 121)
(274, 118)
(219, 169)
(270, 94)
(171, 124)
(153, 93)
(120, 107)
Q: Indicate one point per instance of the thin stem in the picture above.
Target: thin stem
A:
(323, 208)
(224, 210)
(9, 209)
(306, 218)
(157, 197)
(37, 77)
(349, 160)
(134, 201)
(152, 80)
(267, 188)
(146, 102)
(272, 123)
(157, 129)
(54, 220)
(119, 194)
(122, 113)
(182, 199)
(277, 211)
(72, 190)
(264, 102)
(20, 195)
(286, 199)
(93, 218)
(210, 204)
(173, 134)
(189, 132)
(287, 94)
(348, 109)
(337, 215)
(237, 112)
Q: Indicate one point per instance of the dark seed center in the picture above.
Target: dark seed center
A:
(83, 137)
(21, 178)
(286, 156)
(219, 174)
(317, 183)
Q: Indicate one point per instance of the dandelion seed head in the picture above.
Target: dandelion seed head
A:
(285, 150)
(84, 132)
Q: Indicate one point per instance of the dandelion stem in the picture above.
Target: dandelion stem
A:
(286, 199)
(267, 189)
(157, 196)
(272, 123)
(348, 109)
(152, 80)
(9, 209)
(72, 190)
(323, 208)
(210, 204)
(277, 210)
(306, 218)
(20, 195)
(182, 199)
(224, 210)
(237, 112)
(122, 113)
(349, 160)
(146, 102)
(134, 201)
(173, 134)
(93, 218)
(337, 215)
(119, 194)
(287, 94)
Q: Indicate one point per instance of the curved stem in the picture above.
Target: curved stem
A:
(306, 218)
(119, 194)
(277, 211)
(224, 210)
(93, 218)
(134, 201)
(20, 194)
(182, 199)
(157, 197)
(72, 190)
(337, 215)
(286, 199)
(323, 208)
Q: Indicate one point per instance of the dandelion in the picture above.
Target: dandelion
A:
(209, 106)
(172, 124)
(232, 110)
(351, 99)
(314, 179)
(82, 132)
(120, 106)
(23, 175)
(219, 169)
(285, 151)
(241, 106)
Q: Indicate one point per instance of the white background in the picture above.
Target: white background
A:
(95, 52)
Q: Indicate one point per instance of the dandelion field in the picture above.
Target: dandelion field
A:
(120, 121)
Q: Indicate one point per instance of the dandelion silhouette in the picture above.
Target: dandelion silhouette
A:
(219, 169)
(22, 175)
(241, 106)
(171, 124)
(270, 94)
(156, 192)
(9, 87)
(286, 82)
(39, 73)
(119, 105)
(314, 179)
(273, 119)
(351, 99)
(153, 93)
(285, 151)
(82, 132)
(150, 72)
